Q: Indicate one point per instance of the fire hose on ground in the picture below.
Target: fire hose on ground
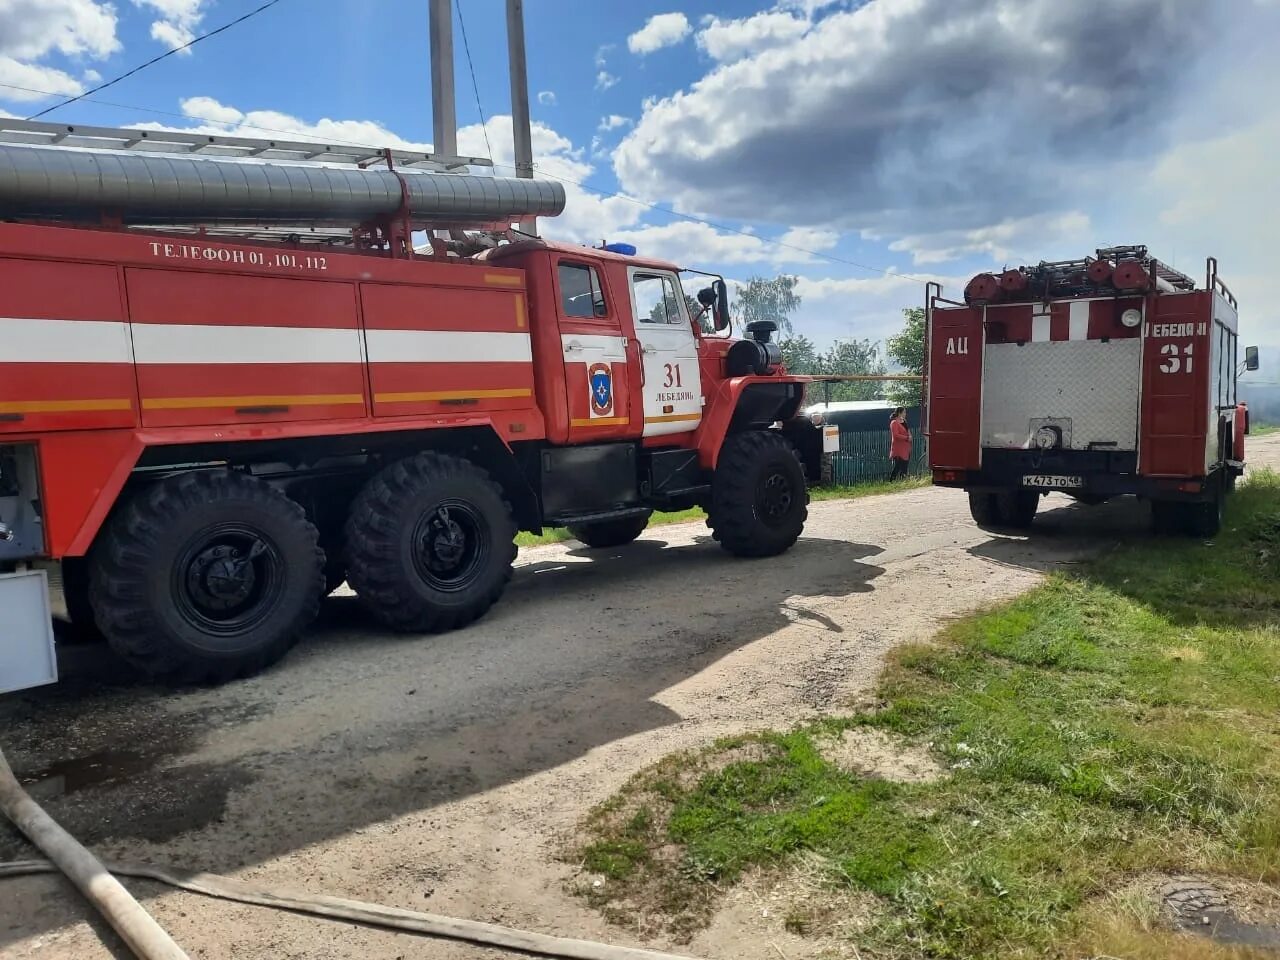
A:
(149, 941)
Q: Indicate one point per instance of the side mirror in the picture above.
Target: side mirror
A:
(1251, 358)
(722, 305)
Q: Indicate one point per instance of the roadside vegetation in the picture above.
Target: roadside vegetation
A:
(557, 534)
(1116, 724)
(1263, 429)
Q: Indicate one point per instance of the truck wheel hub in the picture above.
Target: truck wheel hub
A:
(774, 498)
(225, 578)
(451, 544)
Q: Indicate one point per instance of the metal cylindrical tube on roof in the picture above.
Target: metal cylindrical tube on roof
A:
(1099, 271)
(984, 288)
(1131, 275)
(1013, 281)
(145, 188)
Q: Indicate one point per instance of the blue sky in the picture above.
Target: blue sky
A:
(930, 138)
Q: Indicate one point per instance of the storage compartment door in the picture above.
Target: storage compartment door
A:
(66, 362)
(955, 387)
(223, 348)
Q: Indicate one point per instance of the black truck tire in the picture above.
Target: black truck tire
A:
(75, 596)
(610, 533)
(1166, 518)
(982, 507)
(1201, 518)
(1018, 508)
(1204, 518)
(430, 543)
(204, 577)
(759, 499)
(1004, 509)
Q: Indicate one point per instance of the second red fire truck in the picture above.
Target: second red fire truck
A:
(1110, 375)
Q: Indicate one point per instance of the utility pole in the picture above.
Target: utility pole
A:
(520, 123)
(444, 111)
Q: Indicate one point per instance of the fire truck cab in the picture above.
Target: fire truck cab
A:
(229, 385)
(1109, 375)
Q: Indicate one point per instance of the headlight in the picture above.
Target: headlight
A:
(1046, 438)
(1131, 317)
(816, 418)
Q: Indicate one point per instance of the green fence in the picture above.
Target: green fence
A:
(864, 457)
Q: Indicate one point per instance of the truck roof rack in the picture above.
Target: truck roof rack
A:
(1176, 278)
(36, 133)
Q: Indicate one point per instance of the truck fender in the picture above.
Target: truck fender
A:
(81, 476)
(744, 403)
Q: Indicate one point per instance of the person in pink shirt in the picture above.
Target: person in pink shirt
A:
(899, 443)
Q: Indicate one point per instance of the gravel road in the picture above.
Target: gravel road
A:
(444, 773)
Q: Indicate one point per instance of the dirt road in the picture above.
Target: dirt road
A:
(444, 773)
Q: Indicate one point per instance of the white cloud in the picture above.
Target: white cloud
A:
(31, 30)
(1217, 196)
(605, 80)
(662, 30)
(694, 244)
(728, 40)
(1026, 239)
(29, 82)
(34, 28)
(865, 307)
(207, 108)
(809, 238)
(699, 244)
(547, 98)
(914, 117)
(613, 122)
(177, 20)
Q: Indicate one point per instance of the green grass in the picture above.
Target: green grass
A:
(1121, 722)
(1262, 429)
(557, 534)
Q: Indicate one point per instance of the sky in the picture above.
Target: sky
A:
(864, 146)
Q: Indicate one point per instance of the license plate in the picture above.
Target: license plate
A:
(831, 439)
(1052, 481)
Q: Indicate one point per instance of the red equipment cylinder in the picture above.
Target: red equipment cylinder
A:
(984, 288)
(1013, 281)
(1131, 275)
(1099, 271)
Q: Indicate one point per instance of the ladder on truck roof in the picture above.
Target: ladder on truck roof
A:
(37, 134)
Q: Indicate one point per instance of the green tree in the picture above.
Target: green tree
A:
(906, 350)
(763, 299)
(848, 358)
(799, 354)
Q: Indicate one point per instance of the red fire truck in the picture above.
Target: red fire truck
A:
(229, 382)
(1110, 375)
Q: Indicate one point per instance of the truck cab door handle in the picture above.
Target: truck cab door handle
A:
(648, 349)
(572, 346)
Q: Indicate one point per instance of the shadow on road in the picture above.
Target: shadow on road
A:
(358, 727)
(1067, 533)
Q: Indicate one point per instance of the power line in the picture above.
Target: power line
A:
(608, 194)
(484, 127)
(154, 60)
